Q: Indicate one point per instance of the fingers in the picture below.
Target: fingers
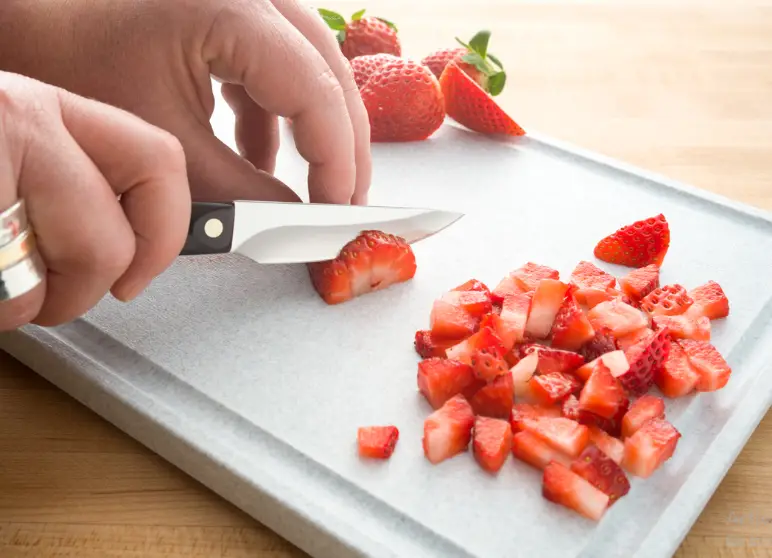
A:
(257, 131)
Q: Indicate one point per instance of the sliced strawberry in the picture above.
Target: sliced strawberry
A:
(534, 451)
(611, 446)
(530, 275)
(640, 282)
(513, 318)
(484, 340)
(564, 434)
(713, 370)
(627, 341)
(440, 379)
(562, 486)
(491, 443)
(475, 303)
(449, 321)
(612, 426)
(597, 468)
(377, 442)
(685, 326)
(495, 399)
(618, 317)
(602, 395)
(670, 300)
(571, 329)
(652, 445)
(547, 300)
(640, 244)
(602, 342)
(506, 287)
(709, 301)
(587, 275)
(448, 430)
(487, 364)
(427, 346)
(645, 408)
(521, 412)
(554, 387)
(473, 285)
(677, 377)
(553, 360)
(522, 372)
(615, 361)
(645, 358)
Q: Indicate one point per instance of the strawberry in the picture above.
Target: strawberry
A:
(377, 442)
(640, 282)
(488, 365)
(474, 285)
(522, 412)
(677, 377)
(606, 443)
(597, 468)
(448, 321)
(603, 342)
(593, 284)
(404, 102)
(440, 379)
(529, 275)
(645, 408)
(553, 360)
(645, 358)
(652, 445)
(562, 486)
(547, 300)
(522, 372)
(365, 66)
(513, 318)
(471, 106)
(495, 399)
(554, 387)
(709, 301)
(561, 433)
(685, 326)
(485, 341)
(530, 449)
(713, 370)
(506, 287)
(670, 300)
(363, 34)
(475, 303)
(428, 346)
(371, 262)
(491, 443)
(448, 430)
(618, 317)
(635, 337)
(571, 329)
(615, 361)
(613, 426)
(640, 244)
(602, 395)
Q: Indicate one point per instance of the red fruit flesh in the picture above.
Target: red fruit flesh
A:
(529, 276)
(677, 377)
(603, 342)
(370, 35)
(506, 287)
(640, 282)
(611, 446)
(562, 486)
(647, 449)
(563, 434)
(484, 341)
(709, 301)
(602, 472)
(487, 364)
(685, 326)
(513, 318)
(627, 341)
(602, 395)
(437, 60)
(530, 449)
(640, 244)
(448, 430)
(428, 346)
(494, 399)
(365, 66)
(440, 379)
(587, 275)
(448, 321)
(645, 360)
(473, 285)
(713, 370)
(645, 408)
(475, 303)
(521, 412)
(547, 300)
(553, 360)
(615, 361)
(377, 442)
(618, 317)
(612, 426)
(670, 300)
(491, 443)
(554, 387)
(571, 329)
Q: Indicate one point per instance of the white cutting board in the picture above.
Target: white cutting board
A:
(241, 376)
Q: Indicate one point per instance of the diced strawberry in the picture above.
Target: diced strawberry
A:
(484, 340)
(652, 445)
(522, 372)
(488, 365)
(554, 387)
(448, 430)
(640, 282)
(620, 318)
(564, 434)
(530, 449)
(544, 307)
(602, 395)
(495, 399)
(608, 444)
(685, 326)
(521, 412)
(677, 377)
(491, 443)
(553, 360)
(506, 287)
(603, 342)
(530, 275)
(644, 408)
(571, 328)
(713, 370)
(645, 358)
(627, 341)
(612, 426)
(514, 316)
(427, 346)
(377, 442)
(476, 303)
(597, 468)
(709, 301)
(639, 244)
(587, 275)
(448, 321)
(615, 361)
(473, 285)
(592, 297)
(562, 486)
(440, 379)
(669, 300)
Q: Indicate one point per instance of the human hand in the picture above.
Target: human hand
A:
(154, 58)
(69, 158)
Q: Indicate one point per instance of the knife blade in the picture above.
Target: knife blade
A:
(283, 232)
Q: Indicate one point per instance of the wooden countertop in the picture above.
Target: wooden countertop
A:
(681, 88)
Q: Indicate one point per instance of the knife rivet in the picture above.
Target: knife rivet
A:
(213, 228)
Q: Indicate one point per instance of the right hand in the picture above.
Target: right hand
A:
(69, 158)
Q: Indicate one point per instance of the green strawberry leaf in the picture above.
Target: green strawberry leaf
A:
(390, 24)
(463, 44)
(477, 61)
(479, 43)
(496, 83)
(333, 20)
(495, 61)
(341, 35)
(356, 16)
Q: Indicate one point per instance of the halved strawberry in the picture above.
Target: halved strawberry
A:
(547, 300)
(707, 361)
(377, 442)
(709, 301)
(522, 372)
(530, 449)
(615, 361)
(669, 300)
(618, 317)
(685, 326)
(602, 395)
(644, 408)
(554, 387)
(627, 341)
(645, 358)
(640, 244)
(476, 303)
(428, 346)
(613, 426)
(640, 282)
(597, 468)
(564, 434)
(553, 360)
(491, 443)
(571, 329)
(448, 321)
(506, 287)
(495, 399)
(608, 444)
(562, 486)
(603, 342)
(677, 377)
(484, 340)
(521, 412)
(652, 445)
(371, 262)
(440, 379)
(529, 275)
(448, 430)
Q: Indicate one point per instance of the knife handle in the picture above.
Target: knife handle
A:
(210, 230)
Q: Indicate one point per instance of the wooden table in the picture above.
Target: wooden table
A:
(681, 88)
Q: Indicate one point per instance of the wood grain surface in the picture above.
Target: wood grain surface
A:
(680, 88)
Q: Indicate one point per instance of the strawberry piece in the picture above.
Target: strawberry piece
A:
(602, 395)
(592, 297)
(530, 449)
(521, 412)
(529, 276)
(428, 346)
(438, 59)
(685, 326)
(495, 399)
(377, 442)
(448, 321)
(677, 377)
(440, 379)
(363, 35)
(563, 434)
(618, 317)
(615, 361)
(562, 486)
(554, 387)
(475, 303)
(473, 285)
(602, 472)
(635, 337)
(571, 329)
(522, 372)
(713, 370)
(603, 342)
(488, 365)
(612, 426)
(365, 66)
(709, 301)
(652, 445)
(645, 408)
(593, 284)
(553, 360)
(514, 316)
(547, 300)
(491, 443)
(448, 430)
(640, 282)
(613, 447)
(371, 262)
(645, 360)
(638, 245)
(485, 341)
(506, 287)
(670, 300)
(469, 105)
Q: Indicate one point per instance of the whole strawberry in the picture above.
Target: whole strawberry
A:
(365, 66)
(404, 102)
(363, 34)
(474, 59)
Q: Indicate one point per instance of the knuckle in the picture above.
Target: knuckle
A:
(169, 149)
(108, 259)
(330, 85)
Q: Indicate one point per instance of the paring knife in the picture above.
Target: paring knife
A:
(283, 232)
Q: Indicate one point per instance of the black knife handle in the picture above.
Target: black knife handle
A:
(211, 229)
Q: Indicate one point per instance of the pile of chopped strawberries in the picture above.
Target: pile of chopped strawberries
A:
(558, 371)
(407, 100)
